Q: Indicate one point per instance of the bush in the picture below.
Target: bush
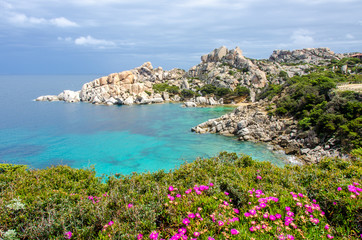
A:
(217, 197)
(241, 91)
(220, 92)
(185, 93)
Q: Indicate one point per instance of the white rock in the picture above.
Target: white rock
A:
(190, 104)
(128, 101)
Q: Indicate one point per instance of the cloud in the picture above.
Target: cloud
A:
(23, 20)
(349, 36)
(90, 41)
(302, 38)
(62, 22)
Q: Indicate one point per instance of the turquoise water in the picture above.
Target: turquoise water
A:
(115, 139)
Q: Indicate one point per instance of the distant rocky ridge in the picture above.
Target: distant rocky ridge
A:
(222, 68)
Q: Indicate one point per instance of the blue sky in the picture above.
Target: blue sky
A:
(104, 36)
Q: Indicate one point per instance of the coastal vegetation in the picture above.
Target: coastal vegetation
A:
(313, 100)
(224, 197)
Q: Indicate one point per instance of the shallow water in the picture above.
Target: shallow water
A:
(115, 139)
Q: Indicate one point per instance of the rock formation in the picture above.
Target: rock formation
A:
(251, 123)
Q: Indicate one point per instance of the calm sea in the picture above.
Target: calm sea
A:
(115, 139)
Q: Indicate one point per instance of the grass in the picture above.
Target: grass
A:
(225, 197)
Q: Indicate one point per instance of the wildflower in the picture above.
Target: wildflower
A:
(278, 215)
(247, 214)
(211, 184)
(220, 223)
(252, 229)
(263, 226)
(339, 189)
(281, 237)
(314, 200)
(290, 237)
(353, 196)
(170, 188)
(300, 195)
(334, 203)
(252, 211)
(171, 197)
(90, 197)
(110, 223)
(236, 211)
(188, 191)
(262, 205)
(196, 234)
(329, 236)
(139, 236)
(272, 217)
(287, 209)
(259, 177)
(326, 227)
(290, 214)
(253, 222)
(226, 193)
(178, 195)
(186, 221)
(198, 215)
(226, 203)
(68, 235)
(130, 205)
(182, 230)
(299, 204)
(234, 231)
(191, 215)
(265, 215)
(154, 235)
(210, 238)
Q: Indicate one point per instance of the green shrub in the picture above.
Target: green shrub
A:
(185, 93)
(213, 194)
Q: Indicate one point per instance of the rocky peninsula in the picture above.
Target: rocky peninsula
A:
(227, 77)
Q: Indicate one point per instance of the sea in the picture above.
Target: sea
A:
(110, 139)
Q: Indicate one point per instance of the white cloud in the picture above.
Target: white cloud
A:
(349, 36)
(22, 19)
(302, 38)
(90, 41)
(25, 21)
(62, 22)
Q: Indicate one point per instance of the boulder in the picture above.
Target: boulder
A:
(128, 101)
(50, 98)
(69, 96)
(190, 104)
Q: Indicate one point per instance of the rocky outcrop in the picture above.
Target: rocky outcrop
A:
(127, 87)
(307, 55)
(251, 123)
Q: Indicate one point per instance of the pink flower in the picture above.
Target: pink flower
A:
(272, 217)
(226, 193)
(130, 205)
(287, 209)
(252, 229)
(278, 215)
(236, 211)
(211, 184)
(234, 231)
(186, 221)
(110, 223)
(339, 189)
(154, 235)
(178, 195)
(191, 215)
(198, 215)
(196, 234)
(290, 237)
(139, 236)
(265, 215)
(68, 235)
(188, 191)
(182, 230)
(210, 238)
(259, 177)
(247, 214)
(220, 223)
(334, 203)
(326, 227)
(314, 200)
(329, 236)
(170, 188)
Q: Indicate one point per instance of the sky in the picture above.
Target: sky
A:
(105, 36)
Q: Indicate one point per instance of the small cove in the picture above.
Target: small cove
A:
(115, 139)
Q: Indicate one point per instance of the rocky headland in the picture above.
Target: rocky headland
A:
(227, 70)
